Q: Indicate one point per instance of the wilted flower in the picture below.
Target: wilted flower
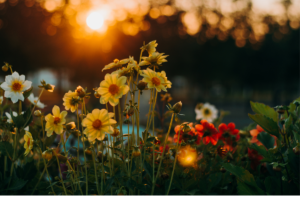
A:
(112, 88)
(166, 97)
(37, 113)
(154, 59)
(207, 111)
(117, 63)
(208, 132)
(153, 80)
(28, 142)
(35, 101)
(150, 47)
(71, 101)
(97, 124)
(55, 122)
(141, 85)
(14, 87)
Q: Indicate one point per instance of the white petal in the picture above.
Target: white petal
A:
(26, 85)
(8, 79)
(22, 78)
(5, 86)
(15, 75)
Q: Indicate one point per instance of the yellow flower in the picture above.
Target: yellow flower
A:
(28, 142)
(153, 80)
(55, 122)
(112, 88)
(154, 59)
(97, 124)
(150, 47)
(71, 101)
(168, 83)
(125, 71)
(116, 63)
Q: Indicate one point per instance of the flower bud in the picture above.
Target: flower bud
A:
(49, 88)
(177, 107)
(70, 126)
(4, 68)
(141, 85)
(37, 113)
(136, 152)
(47, 155)
(97, 95)
(115, 133)
(61, 158)
(80, 92)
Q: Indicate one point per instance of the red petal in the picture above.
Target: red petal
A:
(222, 127)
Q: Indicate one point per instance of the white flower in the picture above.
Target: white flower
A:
(35, 101)
(1, 100)
(15, 114)
(206, 111)
(14, 87)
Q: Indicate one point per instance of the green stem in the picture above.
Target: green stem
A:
(95, 169)
(5, 161)
(61, 177)
(83, 146)
(39, 179)
(121, 132)
(47, 171)
(42, 123)
(102, 168)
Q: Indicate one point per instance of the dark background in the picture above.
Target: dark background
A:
(201, 69)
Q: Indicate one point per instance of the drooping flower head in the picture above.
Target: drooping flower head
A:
(14, 87)
(150, 47)
(208, 132)
(116, 64)
(71, 100)
(206, 111)
(229, 134)
(112, 88)
(154, 80)
(55, 122)
(35, 101)
(28, 142)
(155, 59)
(97, 124)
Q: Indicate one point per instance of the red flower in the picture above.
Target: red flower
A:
(229, 134)
(186, 136)
(208, 132)
(254, 157)
(166, 148)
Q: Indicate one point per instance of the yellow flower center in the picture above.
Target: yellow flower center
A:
(56, 120)
(155, 81)
(16, 87)
(113, 89)
(206, 111)
(97, 124)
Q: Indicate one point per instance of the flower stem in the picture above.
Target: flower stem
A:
(121, 132)
(96, 176)
(42, 123)
(102, 169)
(177, 148)
(163, 153)
(61, 177)
(39, 179)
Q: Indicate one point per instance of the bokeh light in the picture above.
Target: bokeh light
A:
(187, 156)
(95, 20)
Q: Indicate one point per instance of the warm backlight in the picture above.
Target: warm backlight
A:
(95, 20)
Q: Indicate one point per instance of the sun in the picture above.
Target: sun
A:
(95, 20)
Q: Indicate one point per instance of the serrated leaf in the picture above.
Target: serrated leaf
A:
(266, 139)
(267, 124)
(260, 108)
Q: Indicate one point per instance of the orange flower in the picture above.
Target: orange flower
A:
(229, 135)
(185, 136)
(208, 132)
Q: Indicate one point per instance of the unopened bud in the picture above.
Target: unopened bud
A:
(47, 155)
(136, 152)
(177, 107)
(141, 85)
(116, 132)
(80, 92)
(70, 126)
(97, 95)
(49, 88)
(4, 68)
(37, 113)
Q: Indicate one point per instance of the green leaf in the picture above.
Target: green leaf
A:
(272, 185)
(260, 108)
(150, 139)
(267, 124)
(27, 93)
(19, 121)
(262, 151)
(246, 181)
(266, 139)
(7, 149)
(17, 184)
(288, 123)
